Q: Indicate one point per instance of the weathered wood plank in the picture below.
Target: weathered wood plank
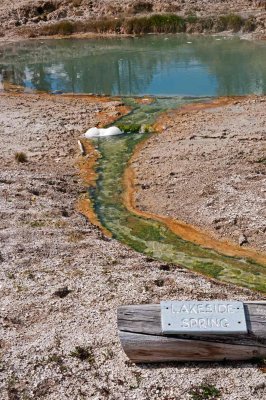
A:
(146, 319)
(142, 339)
(150, 348)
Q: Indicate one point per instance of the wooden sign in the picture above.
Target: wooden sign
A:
(144, 340)
(203, 317)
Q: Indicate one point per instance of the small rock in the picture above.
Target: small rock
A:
(145, 186)
(62, 292)
(64, 213)
(242, 239)
(210, 202)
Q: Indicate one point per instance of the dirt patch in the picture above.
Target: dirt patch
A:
(208, 168)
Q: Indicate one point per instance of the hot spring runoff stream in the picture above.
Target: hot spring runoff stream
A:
(176, 70)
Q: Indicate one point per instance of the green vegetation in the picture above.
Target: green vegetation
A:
(129, 128)
(208, 268)
(21, 157)
(157, 23)
(37, 224)
(229, 22)
(261, 160)
(192, 19)
(104, 25)
(75, 236)
(83, 354)
(250, 25)
(58, 360)
(59, 28)
(205, 392)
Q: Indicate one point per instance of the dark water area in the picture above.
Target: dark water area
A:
(165, 65)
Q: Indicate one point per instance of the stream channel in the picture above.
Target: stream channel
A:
(175, 70)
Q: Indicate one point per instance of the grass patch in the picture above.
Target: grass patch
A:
(157, 23)
(104, 25)
(159, 282)
(59, 28)
(232, 22)
(21, 157)
(207, 24)
(229, 22)
(192, 19)
(207, 268)
(205, 392)
(37, 224)
(75, 236)
(249, 25)
(167, 23)
(83, 354)
(261, 160)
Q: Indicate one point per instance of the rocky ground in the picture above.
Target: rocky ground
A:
(62, 280)
(15, 15)
(208, 168)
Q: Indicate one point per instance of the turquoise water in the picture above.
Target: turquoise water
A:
(156, 65)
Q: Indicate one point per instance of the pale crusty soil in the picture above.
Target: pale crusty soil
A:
(18, 14)
(208, 168)
(46, 245)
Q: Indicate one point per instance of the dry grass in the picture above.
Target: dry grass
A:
(157, 23)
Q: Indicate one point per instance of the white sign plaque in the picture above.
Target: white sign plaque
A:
(203, 317)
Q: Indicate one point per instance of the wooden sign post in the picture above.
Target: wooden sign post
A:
(193, 331)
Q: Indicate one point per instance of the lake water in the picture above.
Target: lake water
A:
(158, 65)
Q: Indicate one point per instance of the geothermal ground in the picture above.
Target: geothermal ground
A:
(62, 279)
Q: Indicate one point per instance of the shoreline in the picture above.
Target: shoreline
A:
(17, 38)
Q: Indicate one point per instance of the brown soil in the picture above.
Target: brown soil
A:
(62, 279)
(207, 169)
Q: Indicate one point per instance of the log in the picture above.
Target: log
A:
(142, 339)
